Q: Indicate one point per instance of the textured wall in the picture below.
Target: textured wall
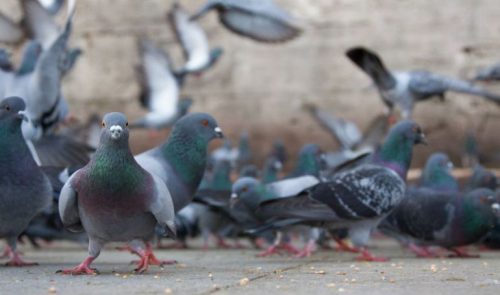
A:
(262, 87)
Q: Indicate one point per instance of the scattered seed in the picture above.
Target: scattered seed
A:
(244, 281)
(331, 285)
(52, 289)
(168, 291)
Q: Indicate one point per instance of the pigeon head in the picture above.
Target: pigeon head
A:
(481, 208)
(249, 171)
(272, 167)
(482, 177)
(200, 125)
(437, 173)
(12, 110)
(114, 128)
(397, 149)
(247, 191)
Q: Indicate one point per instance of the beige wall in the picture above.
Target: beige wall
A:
(262, 87)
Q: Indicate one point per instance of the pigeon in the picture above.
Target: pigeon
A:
(358, 198)
(24, 190)
(260, 20)
(404, 89)
(437, 174)
(491, 73)
(249, 170)
(244, 151)
(448, 220)
(310, 161)
(5, 63)
(114, 199)
(225, 153)
(279, 151)
(180, 162)
(248, 194)
(482, 178)
(199, 57)
(272, 168)
(160, 90)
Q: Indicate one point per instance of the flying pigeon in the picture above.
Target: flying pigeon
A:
(260, 20)
(24, 190)
(114, 199)
(160, 90)
(405, 89)
(199, 56)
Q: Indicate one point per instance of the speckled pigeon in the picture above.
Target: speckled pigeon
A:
(114, 199)
(405, 89)
(180, 162)
(24, 190)
(199, 56)
(260, 20)
(357, 198)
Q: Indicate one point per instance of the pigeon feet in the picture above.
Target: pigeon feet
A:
(17, 261)
(421, 252)
(342, 246)
(7, 252)
(148, 258)
(308, 250)
(275, 249)
(367, 256)
(462, 253)
(221, 244)
(82, 269)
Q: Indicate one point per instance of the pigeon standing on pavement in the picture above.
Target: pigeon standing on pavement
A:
(260, 20)
(24, 190)
(180, 162)
(437, 174)
(357, 198)
(405, 89)
(114, 199)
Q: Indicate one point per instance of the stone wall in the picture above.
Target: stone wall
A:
(262, 88)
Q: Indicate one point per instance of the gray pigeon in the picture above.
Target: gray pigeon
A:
(114, 199)
(491, 73)
(260, 20)
(356, 199)
(199, 56)
(405, 89)
(24, 190)
(180, 162)
(160, 89)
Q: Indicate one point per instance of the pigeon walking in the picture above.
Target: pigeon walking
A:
(358, 198)
(114, 199)
(260, 20)
(24, 190)
(405, 89)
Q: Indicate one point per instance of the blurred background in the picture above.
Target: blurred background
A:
(263, 88)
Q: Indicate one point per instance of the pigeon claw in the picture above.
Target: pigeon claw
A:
(342, 246)
(17, 261)
(82, 269)
(367, 256)
(462, 253)
(421, 252)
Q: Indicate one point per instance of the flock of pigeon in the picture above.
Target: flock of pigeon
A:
(83, 184)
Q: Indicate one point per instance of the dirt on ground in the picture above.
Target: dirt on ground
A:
(230, 271)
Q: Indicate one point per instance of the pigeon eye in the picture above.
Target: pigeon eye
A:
(245, 189)
(126, 124)
(204, 122)
(7, 108)
(103, 124)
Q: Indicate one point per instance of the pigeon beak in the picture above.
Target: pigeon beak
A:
(450, 165)
(421, 139)
(278, 165)
(22, 115)
(218, 132)
(170, 229)
(233, 200)
(496, 209)
(116, 131)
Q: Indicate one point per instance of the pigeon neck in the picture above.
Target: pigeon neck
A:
(119, 163)
(476, 219)
(222, 177)
(269, 175)
(308, 165)
(438, 179)
(12, 141)
(187, 154)
(396, 153)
